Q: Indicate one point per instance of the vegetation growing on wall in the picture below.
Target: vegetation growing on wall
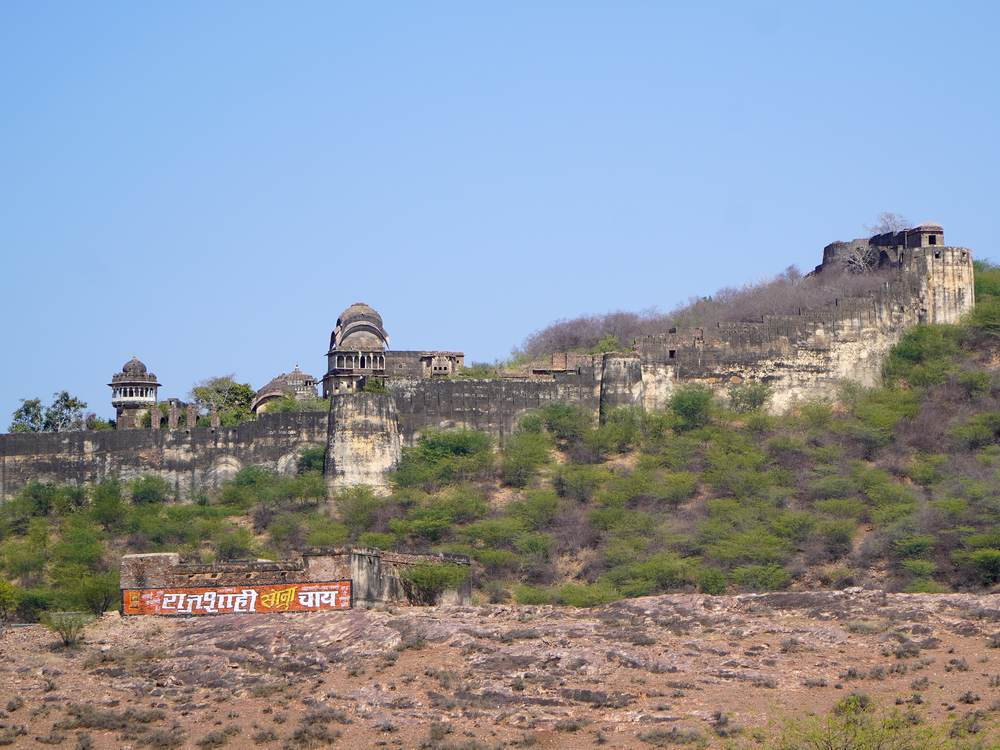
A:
(786, 293)
(892, 487)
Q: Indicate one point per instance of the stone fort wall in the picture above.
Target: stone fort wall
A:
(190, 460)
(802, 356)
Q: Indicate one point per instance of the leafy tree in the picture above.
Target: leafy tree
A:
(98, 592)
(230, 399)
(28, 416)
(312, 459)
(93, 422)
(64, 413)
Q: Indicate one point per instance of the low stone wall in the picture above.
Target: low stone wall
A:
(376, 576)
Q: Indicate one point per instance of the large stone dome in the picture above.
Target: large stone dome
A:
(360, 328)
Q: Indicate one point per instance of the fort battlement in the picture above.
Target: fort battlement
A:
(803, 356)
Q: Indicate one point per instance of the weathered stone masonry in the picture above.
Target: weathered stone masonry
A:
(802, 356)
(376, 576)
(189, 459)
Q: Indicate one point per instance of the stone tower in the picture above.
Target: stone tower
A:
(133, 394)
(357, 350)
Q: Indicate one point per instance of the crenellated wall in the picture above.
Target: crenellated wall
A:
(808, 355)
(801, 356)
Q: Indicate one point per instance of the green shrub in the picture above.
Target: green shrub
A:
(711, 581)
(566, 422)
(925, 586)
(619, 432)
(377, 540)
(536, 511)
(843, 508)
(585, 595)
(97, 592)
(150, 489)
(325, 532)
(926, 469)
(374, 385)
(986, 563)
(692, 405)
(836, 536)
(532, 595)
(677, 487)
(425, 582)
(534, 545)
(815, 415)
(10, 597)
(234, 544)
(493, 532)
(660, 572)
(924, 356)
(497, 561)
(523, 454)
(856, 724)
(311, 459)
(982, 429)
(761, 577)
(579, 482)
(975, 382)
(919, 568)
(358, 508)
(107, 505)
(913, 546)
(985, 318)
(748, 397)
(68, 625)
(444, 457)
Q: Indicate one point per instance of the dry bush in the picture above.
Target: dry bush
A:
(785, 294)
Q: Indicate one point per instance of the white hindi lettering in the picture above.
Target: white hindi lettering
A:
(308, 598)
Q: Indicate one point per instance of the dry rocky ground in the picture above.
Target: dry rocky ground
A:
(640, 673)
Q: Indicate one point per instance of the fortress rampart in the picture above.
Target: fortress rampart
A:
(802, 356)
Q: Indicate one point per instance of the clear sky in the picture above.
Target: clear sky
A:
(207, 185)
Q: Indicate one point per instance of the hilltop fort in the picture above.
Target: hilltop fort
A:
(381, 399)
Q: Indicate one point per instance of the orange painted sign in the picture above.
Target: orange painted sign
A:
(223, 600)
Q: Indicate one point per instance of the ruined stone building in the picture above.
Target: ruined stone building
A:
(359, 350)
(803, 355)
(297, 384)
(133, 393)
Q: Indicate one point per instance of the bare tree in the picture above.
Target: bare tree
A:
(888, 221)
(785, 294)
(863, 258)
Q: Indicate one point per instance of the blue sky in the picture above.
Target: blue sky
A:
(207, 185)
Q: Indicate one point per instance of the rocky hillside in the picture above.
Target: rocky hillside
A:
(665, 671)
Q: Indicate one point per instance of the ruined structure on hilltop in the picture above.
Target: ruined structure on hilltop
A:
(805, 355)
(297, 384)
(133, 394)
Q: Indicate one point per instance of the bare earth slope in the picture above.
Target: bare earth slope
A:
(621, 675)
